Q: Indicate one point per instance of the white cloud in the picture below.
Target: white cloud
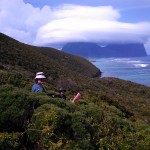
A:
(68, 23)
(86, 12)
(73, 22)
(84, 23)
(21, 21)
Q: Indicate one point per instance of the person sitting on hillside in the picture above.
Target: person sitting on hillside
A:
(61, 93)
(39, 80)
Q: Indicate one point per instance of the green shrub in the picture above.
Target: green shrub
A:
(4, 75)
(16, 108)
(54, 125)
(10, 141)
(16, 79)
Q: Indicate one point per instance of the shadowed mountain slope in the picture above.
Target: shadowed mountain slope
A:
(50, 60)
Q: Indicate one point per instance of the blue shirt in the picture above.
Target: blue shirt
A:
(38, 88)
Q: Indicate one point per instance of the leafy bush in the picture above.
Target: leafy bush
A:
(16, 108)
(88, 127)
(10, 141)
(4, 75)
(16, 79)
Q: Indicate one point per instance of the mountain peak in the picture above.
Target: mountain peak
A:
(88, 49)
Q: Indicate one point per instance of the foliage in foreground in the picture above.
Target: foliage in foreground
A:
(35, 121)
(112, 114)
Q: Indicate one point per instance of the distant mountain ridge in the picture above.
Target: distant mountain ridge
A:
(88, 49)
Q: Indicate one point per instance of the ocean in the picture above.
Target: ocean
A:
(135, 69)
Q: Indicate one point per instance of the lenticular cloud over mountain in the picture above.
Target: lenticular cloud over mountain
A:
(68, 23)
(83, 23)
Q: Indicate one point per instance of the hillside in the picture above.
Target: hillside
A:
(54, 62)
(93, 50)
(111, 114)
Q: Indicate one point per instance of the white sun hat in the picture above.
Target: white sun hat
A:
(40, 75)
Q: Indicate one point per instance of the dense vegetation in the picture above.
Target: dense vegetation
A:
(55, 63)
(112, 113)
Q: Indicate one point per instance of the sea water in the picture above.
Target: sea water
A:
(135, 69)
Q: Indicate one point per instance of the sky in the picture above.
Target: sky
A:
(53, 22)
